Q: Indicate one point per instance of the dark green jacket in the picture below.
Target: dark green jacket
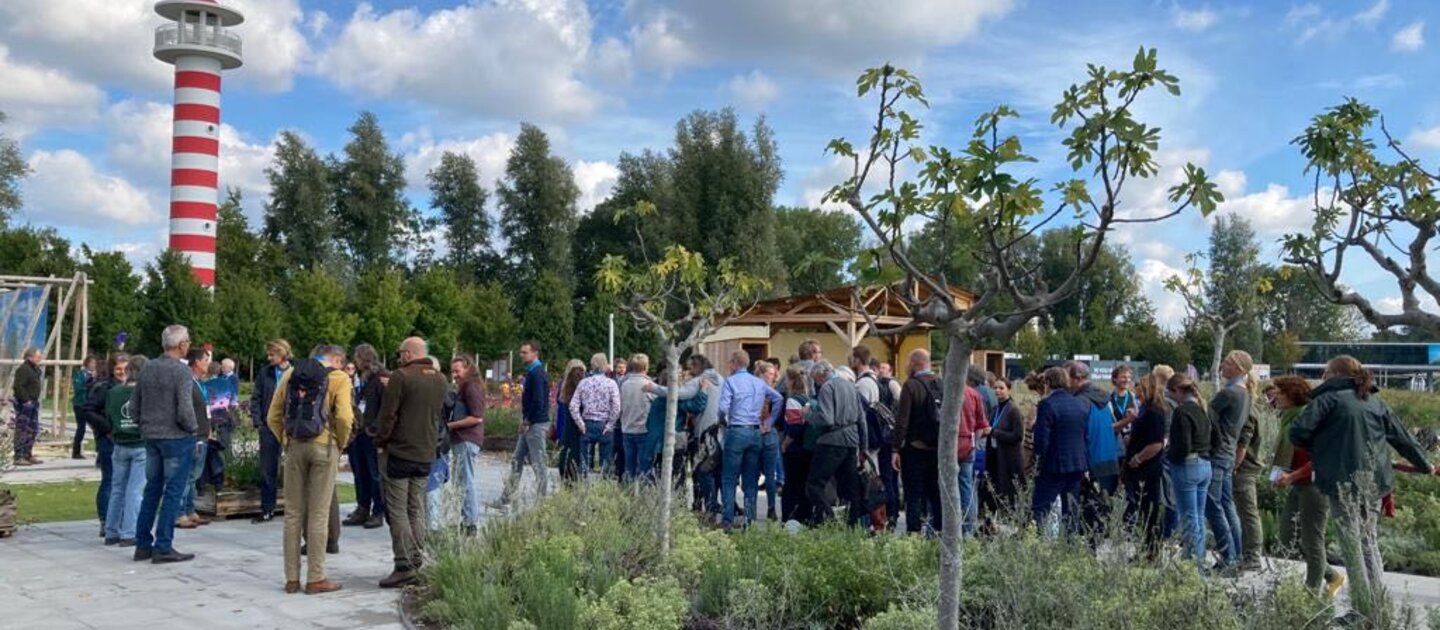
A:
(117, 412)
(27, 383)
(1347, 437)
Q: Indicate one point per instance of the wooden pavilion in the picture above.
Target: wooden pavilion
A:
(775, 328)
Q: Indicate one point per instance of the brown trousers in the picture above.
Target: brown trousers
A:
(310, 469)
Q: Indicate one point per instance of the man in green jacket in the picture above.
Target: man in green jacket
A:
(26, 391)
(1349, 432)
(408, 438)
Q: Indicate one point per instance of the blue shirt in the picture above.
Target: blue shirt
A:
(743, 397)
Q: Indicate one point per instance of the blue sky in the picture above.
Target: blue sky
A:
(90, 105)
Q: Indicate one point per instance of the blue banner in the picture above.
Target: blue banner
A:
(21, 306)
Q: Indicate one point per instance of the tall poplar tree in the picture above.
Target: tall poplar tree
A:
(537, 210)
(456, 192)
(298, 215)
(375, 221)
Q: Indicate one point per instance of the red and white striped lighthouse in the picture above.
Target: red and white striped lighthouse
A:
(199, 44)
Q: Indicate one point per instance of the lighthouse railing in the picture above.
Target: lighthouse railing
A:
(170, 35)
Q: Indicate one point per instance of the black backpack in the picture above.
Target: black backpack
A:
(305, 412)
(880, 417)
(925, 424)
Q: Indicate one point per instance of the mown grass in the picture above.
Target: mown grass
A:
(75, 500)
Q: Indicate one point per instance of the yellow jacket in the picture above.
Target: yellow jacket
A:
(338, 397)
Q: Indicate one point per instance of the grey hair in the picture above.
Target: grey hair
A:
(173, 336)
(846, 373)
(599, 361)
(821, 368)
(1079, 371)
(331, 350)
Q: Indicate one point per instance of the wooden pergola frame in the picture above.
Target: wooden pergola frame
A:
(844, 311)
(72, 300)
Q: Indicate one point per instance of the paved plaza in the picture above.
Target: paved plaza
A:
(60, 576)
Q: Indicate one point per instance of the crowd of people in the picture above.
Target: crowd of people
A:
(1150, 455)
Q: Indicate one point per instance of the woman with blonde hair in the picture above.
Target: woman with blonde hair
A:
(569, 429)
(1349, 433)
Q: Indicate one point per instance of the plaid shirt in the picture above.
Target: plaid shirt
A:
(597, 399)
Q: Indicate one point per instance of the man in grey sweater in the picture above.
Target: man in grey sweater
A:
(835, 410)
(163, 407)
(634, 411)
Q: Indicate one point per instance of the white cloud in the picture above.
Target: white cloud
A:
(754, 90)
(1394, 303)
(1195, 20)
(35, 97)
(1272, 211)
(835, 35)
(820, 180)
(423, 152)
(1169, 308)
(65, 189)
(504, 57)
(1409, 39)
(1372, 15)
(1314, 23)
(1426, 138)
(107, 42)
(595, 179)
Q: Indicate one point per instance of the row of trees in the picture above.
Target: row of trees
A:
(347, 255)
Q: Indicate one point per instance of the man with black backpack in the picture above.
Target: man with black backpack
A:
(878, 407)
(915, 441)
(409, 432)
(311, 415)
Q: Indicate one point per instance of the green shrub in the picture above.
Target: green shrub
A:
(588, 557)
(902, 619)
(644, 604)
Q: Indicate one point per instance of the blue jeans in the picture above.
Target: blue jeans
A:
(770, 463)
(127, 485)
(365, 464)
(1192, 485)
(269, 468)
(167, 470)
(596, 435)
(742, 464)
(1066, 487)
(967, 496)
(466, 454)
(1220, 511)
(637, 462)
(105, 451)
(197, 466)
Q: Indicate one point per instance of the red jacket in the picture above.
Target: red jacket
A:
(972, 422)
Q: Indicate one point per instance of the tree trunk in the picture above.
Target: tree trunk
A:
(667, 457)
(957, 367)
(1215, 358)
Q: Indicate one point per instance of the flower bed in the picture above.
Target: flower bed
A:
(590, 558)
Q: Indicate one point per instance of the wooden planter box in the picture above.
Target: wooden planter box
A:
(234, 504)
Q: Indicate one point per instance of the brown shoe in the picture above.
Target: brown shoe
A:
(398, 579)
(35, 462)
(184, 522)
(21, 461)
(292, 587)
(199, 520)
(323, 586)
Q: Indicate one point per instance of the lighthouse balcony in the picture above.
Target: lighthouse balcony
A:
(173, 41)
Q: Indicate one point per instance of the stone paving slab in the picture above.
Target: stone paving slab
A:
(59, 575)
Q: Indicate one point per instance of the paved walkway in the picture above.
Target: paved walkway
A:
(59, 575)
